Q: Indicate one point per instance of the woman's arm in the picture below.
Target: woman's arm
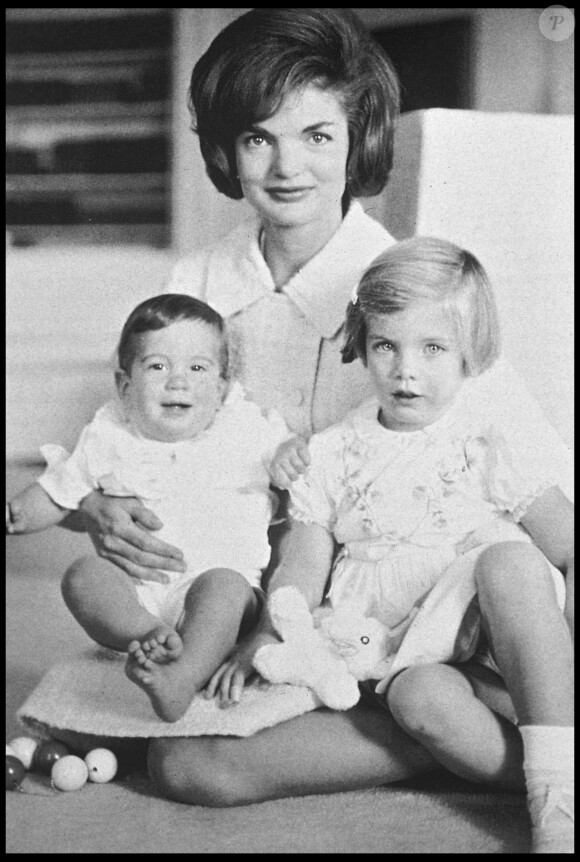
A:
(305, 561)
(550, 522)
(120, 531)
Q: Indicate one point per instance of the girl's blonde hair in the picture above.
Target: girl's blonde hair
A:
(427, 268)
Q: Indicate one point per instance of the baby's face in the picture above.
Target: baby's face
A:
(175, 387)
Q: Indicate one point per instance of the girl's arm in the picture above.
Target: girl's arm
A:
(306, 558)
(550, 522)
(32, 510)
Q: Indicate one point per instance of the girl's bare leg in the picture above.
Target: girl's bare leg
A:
(217, 604)
(438, 705)
(320, 752)
(530, 639)
(104, 601)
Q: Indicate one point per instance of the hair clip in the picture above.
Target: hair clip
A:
(354, 295)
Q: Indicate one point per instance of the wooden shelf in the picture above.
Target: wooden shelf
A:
(88, 117)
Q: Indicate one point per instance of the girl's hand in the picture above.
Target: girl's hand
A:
(229, 680)
(289, 462)
(119, 529)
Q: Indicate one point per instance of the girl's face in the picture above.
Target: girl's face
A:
(292, 166)
(416, 364)
(175, 387)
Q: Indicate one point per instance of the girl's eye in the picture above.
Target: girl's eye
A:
(319, 138)
(385, 346)
(434, 349)
(365, 640)
(197, 368)
(157, 366)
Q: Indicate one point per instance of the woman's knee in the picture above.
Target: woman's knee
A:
(197, 771)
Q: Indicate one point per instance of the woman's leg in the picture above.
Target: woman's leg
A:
(104, 601)
(320, 752)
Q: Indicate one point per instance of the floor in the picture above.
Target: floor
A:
(440, 815)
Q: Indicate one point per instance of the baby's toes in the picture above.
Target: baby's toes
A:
(134, 647)
(173, 642)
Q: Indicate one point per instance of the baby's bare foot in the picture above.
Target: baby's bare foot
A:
(169, 688)
(161, 645)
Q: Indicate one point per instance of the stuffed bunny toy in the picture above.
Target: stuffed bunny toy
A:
(328, 651)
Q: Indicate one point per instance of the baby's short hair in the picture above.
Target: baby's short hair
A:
(427, 268)
(161, 311)
(263, 55)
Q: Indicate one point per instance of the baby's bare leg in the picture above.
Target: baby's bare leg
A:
(216, 605)
(103, 599)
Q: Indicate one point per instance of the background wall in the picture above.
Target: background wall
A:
(513, 68)
(65, 305)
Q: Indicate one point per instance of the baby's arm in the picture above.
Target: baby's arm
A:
(290, 460)
(32, 510)
(550, 522)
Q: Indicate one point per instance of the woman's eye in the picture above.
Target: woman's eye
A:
(255, 141)
(385, 346)
(319, 138)
(157, 366)
(434, 349)
(197, 368)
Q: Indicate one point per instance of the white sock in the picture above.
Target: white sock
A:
(549, 771)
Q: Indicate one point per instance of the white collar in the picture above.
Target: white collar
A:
(238, 275)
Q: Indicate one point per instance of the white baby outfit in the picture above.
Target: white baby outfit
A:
(405, 506)
(211, 493)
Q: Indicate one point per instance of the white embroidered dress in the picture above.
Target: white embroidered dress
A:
(405, 506)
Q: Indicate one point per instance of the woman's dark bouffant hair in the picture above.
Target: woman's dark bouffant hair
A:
(265, 54)
(161, 311)
(428, 268)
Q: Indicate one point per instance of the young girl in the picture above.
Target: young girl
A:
(191, 446)
(424, 485)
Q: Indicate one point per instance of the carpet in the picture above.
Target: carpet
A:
(434, 814)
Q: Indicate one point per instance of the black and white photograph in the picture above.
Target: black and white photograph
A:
(289, 430)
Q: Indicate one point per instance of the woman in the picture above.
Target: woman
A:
(295, 111)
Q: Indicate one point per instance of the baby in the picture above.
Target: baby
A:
(184, 440)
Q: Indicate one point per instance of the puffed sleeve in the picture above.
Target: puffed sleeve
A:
(313, 496)
(67, 479)
(519, 453)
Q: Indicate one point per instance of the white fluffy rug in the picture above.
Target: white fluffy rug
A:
(91, 694)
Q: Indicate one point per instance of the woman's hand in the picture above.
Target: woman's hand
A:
(229, 680)
(119, 529)
(290, 460)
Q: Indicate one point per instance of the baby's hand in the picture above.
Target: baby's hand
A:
(289, 462)
(15, 518)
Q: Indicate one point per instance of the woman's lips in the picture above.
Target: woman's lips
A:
(283, 194)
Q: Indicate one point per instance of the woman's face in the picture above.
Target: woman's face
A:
(292, 166)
